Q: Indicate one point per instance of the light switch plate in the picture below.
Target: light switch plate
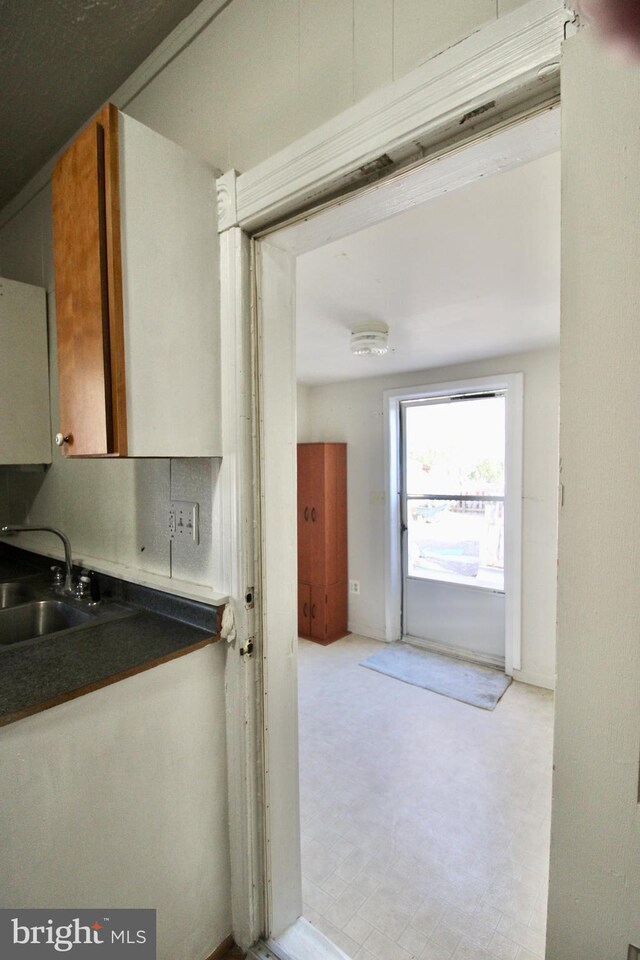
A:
(184, 521)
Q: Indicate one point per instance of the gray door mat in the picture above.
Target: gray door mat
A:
(469, 682)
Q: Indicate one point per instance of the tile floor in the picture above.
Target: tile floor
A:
(425, 822)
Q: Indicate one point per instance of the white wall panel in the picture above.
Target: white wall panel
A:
(423, 28)
(109, 800)
(595, 844)
(372, 46)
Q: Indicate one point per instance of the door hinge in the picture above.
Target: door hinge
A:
(247, 650)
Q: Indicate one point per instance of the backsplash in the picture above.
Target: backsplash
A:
(117, 510)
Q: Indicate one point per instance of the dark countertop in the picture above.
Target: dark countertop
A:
(40, 673)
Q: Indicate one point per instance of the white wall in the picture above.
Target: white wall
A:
(115, 800)
(353, 412)
(594, 897)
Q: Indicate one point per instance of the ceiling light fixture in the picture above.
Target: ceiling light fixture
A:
(370, 339)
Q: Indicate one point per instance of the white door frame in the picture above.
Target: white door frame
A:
(513, 385)
(499, 70)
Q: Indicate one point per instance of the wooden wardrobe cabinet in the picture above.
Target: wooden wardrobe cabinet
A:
(134, 226)
(322, 541)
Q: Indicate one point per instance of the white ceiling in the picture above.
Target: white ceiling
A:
(471, 275)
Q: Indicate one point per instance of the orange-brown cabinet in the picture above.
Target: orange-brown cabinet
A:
(322, 541)
(137, 334)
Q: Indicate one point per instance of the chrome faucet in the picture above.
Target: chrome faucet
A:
(69, 586)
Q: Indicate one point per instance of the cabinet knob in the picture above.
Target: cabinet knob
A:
(313, 611)
(306, 513)
(305, 610)
(61, 439)
(313, 515)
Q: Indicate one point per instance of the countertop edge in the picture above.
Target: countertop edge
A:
(16, 715)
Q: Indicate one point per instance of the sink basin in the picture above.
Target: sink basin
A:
(15, 592)
(39, 618)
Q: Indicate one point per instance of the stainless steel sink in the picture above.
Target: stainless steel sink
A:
(39, 618)
(14, 592)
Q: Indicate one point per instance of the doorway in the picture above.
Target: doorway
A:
(274, 270)
(385, 783)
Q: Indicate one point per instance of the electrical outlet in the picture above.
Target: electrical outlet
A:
(184, 521)
(354, 586)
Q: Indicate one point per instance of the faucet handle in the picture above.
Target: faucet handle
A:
(83, 587)
(58, 576)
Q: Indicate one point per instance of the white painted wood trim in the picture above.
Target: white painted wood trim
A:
(518, 141)
(513, 384)
(276, 378)
(491, 64)
(392, 540)
(235, 505)
(226, 200)
(458, 653)
(513, 522)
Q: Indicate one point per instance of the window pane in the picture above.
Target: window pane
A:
(456, 447)
(457, 540)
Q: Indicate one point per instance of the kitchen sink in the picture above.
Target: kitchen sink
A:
(15, 592)
(39, 618)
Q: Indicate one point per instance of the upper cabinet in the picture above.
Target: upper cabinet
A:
(135, 257)
(25, 436)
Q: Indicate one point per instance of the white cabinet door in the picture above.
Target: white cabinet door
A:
(25, 433)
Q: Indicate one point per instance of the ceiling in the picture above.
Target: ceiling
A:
(59, 61)
(471, 275)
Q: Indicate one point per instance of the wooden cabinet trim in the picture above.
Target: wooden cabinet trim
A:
(108, 119)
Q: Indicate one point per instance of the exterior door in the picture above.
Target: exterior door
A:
(453, 492)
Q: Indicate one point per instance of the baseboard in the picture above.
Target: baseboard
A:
(225, 949)
(460, 653)
(535, 679)
(364, 630)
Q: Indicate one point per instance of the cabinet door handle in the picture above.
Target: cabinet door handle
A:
(62, 438)
(313, 611)
(306, 513)
(305, 610)
(313, 515)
